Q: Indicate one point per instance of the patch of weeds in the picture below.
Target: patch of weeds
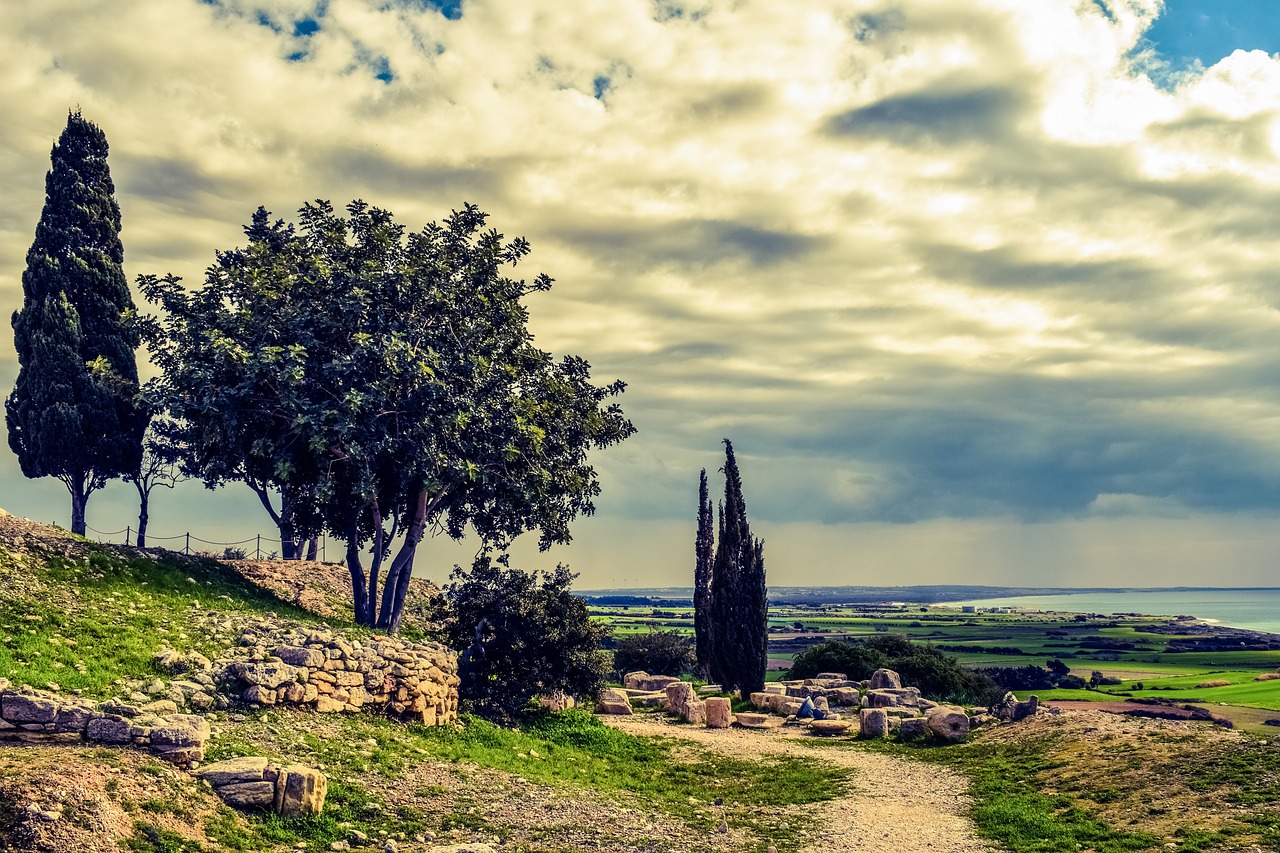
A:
(149, 838)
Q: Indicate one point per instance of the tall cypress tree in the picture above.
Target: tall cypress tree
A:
(704, 555)
(740, 607)
(73, 413)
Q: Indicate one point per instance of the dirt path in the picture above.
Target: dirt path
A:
(894, 804)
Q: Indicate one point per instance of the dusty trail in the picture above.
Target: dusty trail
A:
(893, 803)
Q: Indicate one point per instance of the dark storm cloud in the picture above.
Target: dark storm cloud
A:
(935, 115)
(689, 243)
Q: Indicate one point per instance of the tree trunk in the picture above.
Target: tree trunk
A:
(78, 499)
(289, 546)
(143, 513)
(402, 565)
(401, 592)
(313, 548)
(359, 592)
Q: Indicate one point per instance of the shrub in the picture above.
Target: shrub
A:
(521, 635)
(1021, 677)
(939, 676)
(658, 652)
(1072, 682)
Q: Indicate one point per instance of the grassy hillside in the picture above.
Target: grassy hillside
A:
(86, 618)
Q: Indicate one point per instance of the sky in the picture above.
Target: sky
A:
(983, 291)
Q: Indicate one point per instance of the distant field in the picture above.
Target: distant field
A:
(1124, 647)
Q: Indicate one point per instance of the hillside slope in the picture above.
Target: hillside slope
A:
(78, 617)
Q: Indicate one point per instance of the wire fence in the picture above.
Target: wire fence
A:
(257, 541)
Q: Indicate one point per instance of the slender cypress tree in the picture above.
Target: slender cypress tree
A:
(704, 555)
(739, 598)
(73, 413)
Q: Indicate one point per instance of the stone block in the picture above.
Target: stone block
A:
(267, 674)
(830, 727)
(109, 730)
(327, 705)
(248, 769)
(719, 712)
(181, 730)
(885, 679)
(301, 656)
(873, 723)
(912, 729)
(72, 718)
(304, 791)
(948, 725)
(756, 721)
(17, 708)
(260, 694)
(248, 795)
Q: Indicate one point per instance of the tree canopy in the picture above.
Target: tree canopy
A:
(384, 383)
(73, 413)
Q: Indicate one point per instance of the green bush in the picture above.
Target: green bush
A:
(658, 652)
(521, 635)
(938, 675)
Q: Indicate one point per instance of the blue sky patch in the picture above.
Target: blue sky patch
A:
(1205, 31)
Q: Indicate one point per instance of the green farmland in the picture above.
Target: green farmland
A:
(1153, 657)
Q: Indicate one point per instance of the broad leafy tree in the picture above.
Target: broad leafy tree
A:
(739, 599)
(73, 413)
(386, 384)
(704, 555)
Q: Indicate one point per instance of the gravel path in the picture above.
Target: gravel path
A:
(894, 804)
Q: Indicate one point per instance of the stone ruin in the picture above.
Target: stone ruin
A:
(252, 782)
(829, 704)
(330, 674)
(275, 666)
(36, 716)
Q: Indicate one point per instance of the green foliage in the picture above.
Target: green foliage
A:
(739, 598)
(938, 675)
(385, 383)
(72, 414)
(704, 557)
(655, 651)
(521, 635)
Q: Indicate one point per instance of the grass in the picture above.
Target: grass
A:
(1165, 789)
(104, 617)
(569, 749)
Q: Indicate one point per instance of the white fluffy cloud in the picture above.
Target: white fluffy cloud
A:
(922, 260)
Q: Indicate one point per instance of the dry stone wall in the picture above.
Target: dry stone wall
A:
(330, 673)
(35, 716)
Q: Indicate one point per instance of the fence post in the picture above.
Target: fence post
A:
(128, 531)
(187, 548)
(257, 550)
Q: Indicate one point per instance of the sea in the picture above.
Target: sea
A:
(1254, 609)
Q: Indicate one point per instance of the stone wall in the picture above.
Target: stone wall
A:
(329, 673)
(34, 716)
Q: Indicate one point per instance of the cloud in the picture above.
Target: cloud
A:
(923, 261)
